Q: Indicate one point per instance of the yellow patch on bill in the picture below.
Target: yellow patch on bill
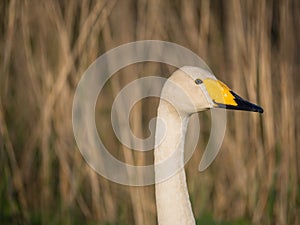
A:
(219, 92)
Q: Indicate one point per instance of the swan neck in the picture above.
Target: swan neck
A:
(172, 198)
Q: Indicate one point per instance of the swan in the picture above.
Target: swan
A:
(187, 91)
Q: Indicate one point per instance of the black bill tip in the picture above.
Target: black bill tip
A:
(241, 105)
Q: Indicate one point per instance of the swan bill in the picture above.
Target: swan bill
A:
(241, 104)
(223, 97)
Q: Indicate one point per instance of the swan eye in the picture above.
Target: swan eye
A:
(198, 81)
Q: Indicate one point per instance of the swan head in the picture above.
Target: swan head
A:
(192, 89)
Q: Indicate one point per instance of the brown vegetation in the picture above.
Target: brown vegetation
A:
(253, 46)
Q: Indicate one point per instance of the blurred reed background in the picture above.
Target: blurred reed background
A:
(253, 46)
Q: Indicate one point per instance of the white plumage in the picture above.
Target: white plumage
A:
(188, 90)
